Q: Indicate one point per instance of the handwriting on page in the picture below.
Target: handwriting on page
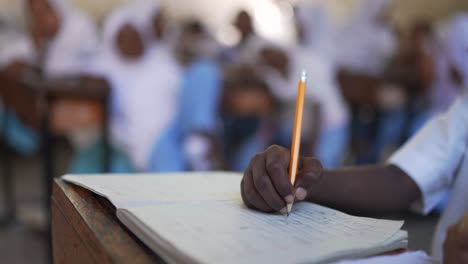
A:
(221, 231)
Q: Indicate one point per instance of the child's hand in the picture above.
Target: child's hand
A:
(456, 243)
(266, 185)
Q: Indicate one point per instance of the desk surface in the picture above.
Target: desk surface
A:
(85, 229)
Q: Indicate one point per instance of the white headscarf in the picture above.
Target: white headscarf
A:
(317, 29)
(144, 90)
(15, 45)
(146, 10)
(15, 42)
(457, 45)
(70, 52)
(323, 89)
(451, 51)
(73, 50)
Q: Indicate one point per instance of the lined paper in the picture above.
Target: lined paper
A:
(200, 217)
(220, 232)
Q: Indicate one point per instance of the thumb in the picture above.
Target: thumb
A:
(310, 171)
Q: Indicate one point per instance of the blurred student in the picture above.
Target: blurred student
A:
(159, 32)
(14, 60)
(247, 108)
(315, 31)
(64, 38)
(193, 135)
(315, 54)
(451, 73)
(368, 38)
(145, 82)
(62, 42)
(410, 76)
(327, 118)
(244, 51)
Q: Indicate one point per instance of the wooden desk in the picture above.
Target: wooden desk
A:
(85, 229)
(34, 100)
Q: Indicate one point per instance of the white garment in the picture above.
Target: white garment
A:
(322, 87)
(248, 52)
(451, 52)
(15, 45)
(443, 89)
(368, 44)
(144, 90)
(437, 160)
(317, 29)
(457, 44)
(72, 51)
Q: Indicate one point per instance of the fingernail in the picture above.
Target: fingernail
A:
(301, 193)
(289, 199)
(284, 211)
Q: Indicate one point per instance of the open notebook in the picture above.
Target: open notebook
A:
(200, 218)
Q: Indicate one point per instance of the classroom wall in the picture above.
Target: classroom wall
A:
(221, 11)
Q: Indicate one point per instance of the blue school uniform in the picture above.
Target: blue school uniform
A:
(197, 112)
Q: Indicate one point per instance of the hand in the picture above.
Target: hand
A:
(266, 185)
(456, 243)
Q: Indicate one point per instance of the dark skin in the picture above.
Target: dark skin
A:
(45, 22)
(129, 42)
(159, 24)
(243, 23)
(192, 32)
(378, 189)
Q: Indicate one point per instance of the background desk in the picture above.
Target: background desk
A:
(85, 229)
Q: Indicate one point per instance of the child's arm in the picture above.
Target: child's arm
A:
(373, 189)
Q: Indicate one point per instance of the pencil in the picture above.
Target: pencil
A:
(296, 137)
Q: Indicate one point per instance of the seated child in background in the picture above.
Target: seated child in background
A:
(195, 131)
(247, 109)
(326, 117)
(62, 43)
(145, 84)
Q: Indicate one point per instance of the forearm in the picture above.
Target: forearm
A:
(379, 189)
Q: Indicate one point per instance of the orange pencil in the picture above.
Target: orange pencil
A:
(296, 138)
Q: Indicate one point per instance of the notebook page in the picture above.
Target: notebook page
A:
(227, 232)
(145, 189)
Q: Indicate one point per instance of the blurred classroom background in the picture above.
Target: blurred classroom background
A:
(176, 85)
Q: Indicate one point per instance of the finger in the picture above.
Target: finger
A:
(264, 186)
(462, 233)
(250, 195)
(277, 163)
(310, 171)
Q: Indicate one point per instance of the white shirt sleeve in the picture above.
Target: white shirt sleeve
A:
(433, 155)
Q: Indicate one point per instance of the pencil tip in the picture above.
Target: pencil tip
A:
(289, 208)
